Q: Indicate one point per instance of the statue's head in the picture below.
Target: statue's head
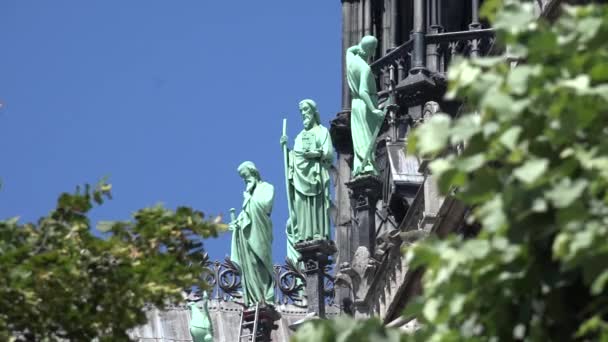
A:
(248, 171)
(310, 114)
(368, 46)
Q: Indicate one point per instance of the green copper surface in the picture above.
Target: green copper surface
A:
(308, 174)
(292, 239)
(252, 237)
(366, 118)
(201, 327)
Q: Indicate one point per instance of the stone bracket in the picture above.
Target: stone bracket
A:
(365, 191)
(316, 255)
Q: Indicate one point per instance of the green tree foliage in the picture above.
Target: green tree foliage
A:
(534, 170)
(60, 282)
(347, 330)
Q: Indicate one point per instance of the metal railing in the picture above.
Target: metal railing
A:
(224, 280)
(441, 48)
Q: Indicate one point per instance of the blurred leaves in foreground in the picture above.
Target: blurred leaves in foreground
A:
(533, 167)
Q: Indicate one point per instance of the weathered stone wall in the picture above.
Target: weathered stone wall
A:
(172, 325)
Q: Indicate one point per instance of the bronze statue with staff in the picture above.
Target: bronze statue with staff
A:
(307, 179)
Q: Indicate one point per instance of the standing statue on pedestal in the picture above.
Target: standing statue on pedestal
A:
(307, 173)
(252, 238)
(201, 327)
(365, 118)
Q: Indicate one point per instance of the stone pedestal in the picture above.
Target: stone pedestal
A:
(267, 315)
(365, 191)
(316, 254)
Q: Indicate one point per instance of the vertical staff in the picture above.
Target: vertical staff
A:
(286, 165)
(232, 214)
(232, 219)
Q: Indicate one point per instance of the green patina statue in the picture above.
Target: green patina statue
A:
(201, 327)
(252, 237)
(307, 172)
(365, 119)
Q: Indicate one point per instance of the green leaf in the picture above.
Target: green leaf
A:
(439, 166)
(482, 189)
(531, 170)
(580, 84)
(519, 332)
(519, 76)
(464, 128)
(431, 309)
(588, 28)
(581, 241)
(566, 191)
(432, 136)
(315, 330)
(12, 220)
(105, 226)
(477, 248)
(590, 326)
(539, 205)
(510, 136)
(601, 91)
(449, 179)
(488, 61)
(489, 128)
(471, 163)
(599, 72)
(561, 245)
(463, 73)
(515, 17)
(492, 214)
(599, 284)
(490, 8)
(501, 104)
(457, 304)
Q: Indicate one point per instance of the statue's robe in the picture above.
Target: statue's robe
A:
(292, 238)
(363, 122)
(252, 245)
(201, 327)
(310, 185)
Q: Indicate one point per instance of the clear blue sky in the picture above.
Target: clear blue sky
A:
(165, 97)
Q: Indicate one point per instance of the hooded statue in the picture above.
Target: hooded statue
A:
(365, 117)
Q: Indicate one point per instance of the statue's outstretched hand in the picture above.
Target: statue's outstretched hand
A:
(283, 140)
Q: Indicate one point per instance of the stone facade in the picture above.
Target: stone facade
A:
(376, 217)
(417, 41)
(172, 325)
